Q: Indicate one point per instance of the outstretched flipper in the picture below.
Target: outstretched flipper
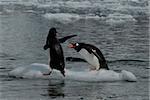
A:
(62, 40)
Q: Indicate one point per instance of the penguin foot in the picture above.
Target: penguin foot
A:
(47, 73)
(92, 69)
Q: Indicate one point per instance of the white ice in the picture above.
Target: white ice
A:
(119, 18)
(36, 70)
(67, 17)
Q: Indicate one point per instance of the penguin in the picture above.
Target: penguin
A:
(55, 50)
(91, 54)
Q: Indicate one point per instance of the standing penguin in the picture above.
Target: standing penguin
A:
(56, 51)
(91, 54)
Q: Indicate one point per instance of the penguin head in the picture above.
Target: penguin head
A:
(52, 32)
(76, 46)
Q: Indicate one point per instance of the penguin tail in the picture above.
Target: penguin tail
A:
(63, 73)
(107, 67)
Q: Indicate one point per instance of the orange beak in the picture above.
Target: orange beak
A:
(71, 46)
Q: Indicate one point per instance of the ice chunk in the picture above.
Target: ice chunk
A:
(36, 70)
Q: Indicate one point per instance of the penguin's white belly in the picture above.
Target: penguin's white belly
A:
(90, 58)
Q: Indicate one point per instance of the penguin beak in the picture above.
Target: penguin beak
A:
(71, 45)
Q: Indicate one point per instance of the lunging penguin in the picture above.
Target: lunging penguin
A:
(56, 51)
(91, 54)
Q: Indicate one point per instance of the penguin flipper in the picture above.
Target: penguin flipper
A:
(45, 47)
(62, 40)
(94, 52)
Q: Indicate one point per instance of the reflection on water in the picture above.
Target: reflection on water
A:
(55, 89)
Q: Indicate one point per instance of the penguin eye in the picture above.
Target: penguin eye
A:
(77, 44)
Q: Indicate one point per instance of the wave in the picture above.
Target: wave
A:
(103, 7)
(75, 59)
(127, 60)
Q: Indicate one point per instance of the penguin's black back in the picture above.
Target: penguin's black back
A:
(56, 55)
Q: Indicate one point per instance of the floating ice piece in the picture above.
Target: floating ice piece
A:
(36, 70)
(68, 17)
(62, 17)
(119, 18)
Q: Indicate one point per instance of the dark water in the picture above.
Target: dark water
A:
(125, 46)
